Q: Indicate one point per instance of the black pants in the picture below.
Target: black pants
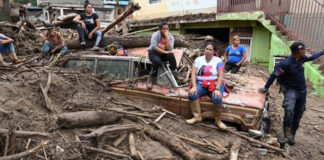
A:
(229, 66)
(157, 59)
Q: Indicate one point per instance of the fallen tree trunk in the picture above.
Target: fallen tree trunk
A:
(87, 118)
(26, 133)
(134, 7)
(127, 41)
(178, 146)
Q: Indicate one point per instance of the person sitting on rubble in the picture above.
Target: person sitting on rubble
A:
(88, 26)
(291, 78)
(53, 42)
(234, 55)
(207, 78)
(6, 43)
(162, 43)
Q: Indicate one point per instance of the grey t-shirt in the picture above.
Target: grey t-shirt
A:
(155, 39)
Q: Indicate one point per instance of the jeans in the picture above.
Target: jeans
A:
(84, 33)
(157, 59)
(201, 91)
(229, 66)
(294, 104)
(47, 47)
(5, 47)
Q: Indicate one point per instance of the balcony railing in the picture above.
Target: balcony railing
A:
(301, 19)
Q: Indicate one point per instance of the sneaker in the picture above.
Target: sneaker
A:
(4, 64)
(83, 44)
(95, 48)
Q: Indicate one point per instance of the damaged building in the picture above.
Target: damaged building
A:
(106, 10)
(266, 28)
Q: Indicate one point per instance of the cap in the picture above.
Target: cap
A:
(297, 46)
(49, 26)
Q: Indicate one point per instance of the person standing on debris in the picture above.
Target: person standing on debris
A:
(162, 43)
(53, 42)
(6, 43)
(88, 24)
(207, 78)
(234, 55)
(291, 77)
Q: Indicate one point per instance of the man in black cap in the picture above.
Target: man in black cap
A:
(53, 42)
(290, 75)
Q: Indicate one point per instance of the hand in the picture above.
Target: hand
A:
(193, 91)
(217, 94)
(238, 64)
(83, 25)
(53, 51)
(263, 90)
(90, 35)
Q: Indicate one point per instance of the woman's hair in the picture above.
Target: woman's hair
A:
(211, 43)
(235, 37)
(161, 24)
(86, 3)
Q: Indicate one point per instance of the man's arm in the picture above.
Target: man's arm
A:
(278, 71)
(310, 57)
(6, 40)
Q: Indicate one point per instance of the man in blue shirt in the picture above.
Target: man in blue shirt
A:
(291, 77)
(6, 44)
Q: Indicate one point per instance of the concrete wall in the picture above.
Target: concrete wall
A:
(173, 8)
(261, 38)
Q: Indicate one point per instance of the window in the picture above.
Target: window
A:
(154, 1)
(77, 63)
(114, 68)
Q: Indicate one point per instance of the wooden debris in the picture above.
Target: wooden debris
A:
(120, 139)
(234, 150)
(26, 153)
(129, 113)
(132, 148)
(45, 91)
(107, 152)
(12, 138)
(87, 118)
(249, 139)
(113, 149)
(134, 7)
(176, 145)
(109, 130)
(126, 104)
(26, 133)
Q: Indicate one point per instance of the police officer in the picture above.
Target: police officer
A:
(291, 77)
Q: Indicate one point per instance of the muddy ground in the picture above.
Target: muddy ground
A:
(22, 104)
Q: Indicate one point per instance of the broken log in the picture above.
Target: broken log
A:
(234, 150)
(119, 139)
(26, 133)
(109, 130)
(132, 148)
(67, 17)
(45, 91)
(26, 153)
(87, 118)
(134, 7)
(129, 113)
(126, 41)
(178, 146)
(107, 152)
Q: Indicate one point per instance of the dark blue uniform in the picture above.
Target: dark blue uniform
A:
(292, 78)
